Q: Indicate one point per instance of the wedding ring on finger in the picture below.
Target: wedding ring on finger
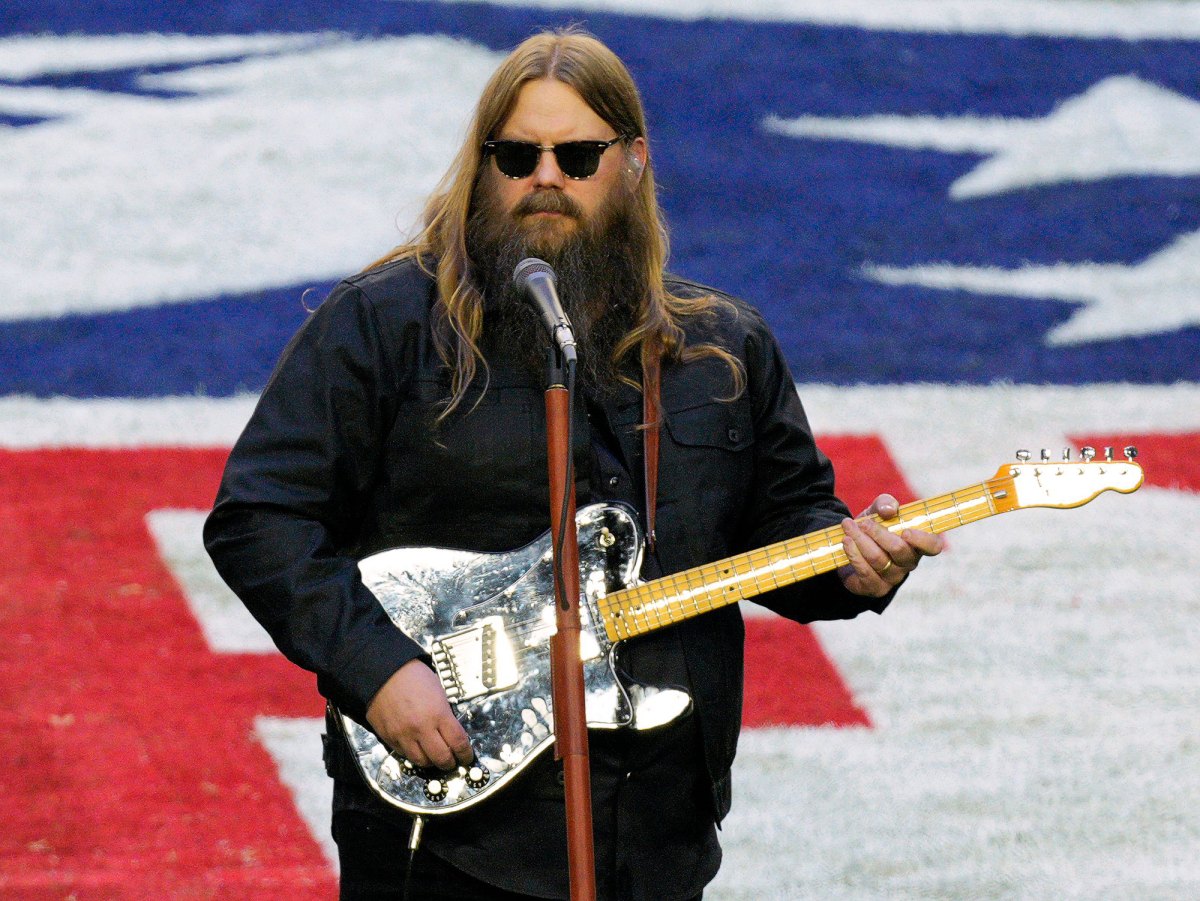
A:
(886, 567)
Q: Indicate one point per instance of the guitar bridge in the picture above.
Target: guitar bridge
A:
(475, 661)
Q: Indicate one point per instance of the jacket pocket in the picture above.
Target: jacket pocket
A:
(705, 473)
(725, 426)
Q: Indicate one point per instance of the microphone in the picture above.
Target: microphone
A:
(537, 280)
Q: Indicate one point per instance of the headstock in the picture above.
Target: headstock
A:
(1063, 483)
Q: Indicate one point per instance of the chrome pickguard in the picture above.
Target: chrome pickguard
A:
(486, 620)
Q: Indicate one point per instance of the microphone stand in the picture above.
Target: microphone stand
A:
(566, 667)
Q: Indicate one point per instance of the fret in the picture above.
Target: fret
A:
(652, 600)
(654, 613)
(927, 512)
(654, 604)
(771, 563)
(785, 560)
(613, 617)
(695, 588)
(762, 568)
(685, 597)
(695, 605)
(641, 620)
(631, 615)
(957, 509)
(809, 558)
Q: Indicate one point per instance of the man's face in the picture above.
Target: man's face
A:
(546, 205)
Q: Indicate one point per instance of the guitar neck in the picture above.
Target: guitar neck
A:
(653, 605)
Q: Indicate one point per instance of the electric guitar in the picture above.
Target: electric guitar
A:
(486, 619)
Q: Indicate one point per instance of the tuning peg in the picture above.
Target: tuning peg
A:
(1045, 455)
(1108, 454)
(1088, 454)
(1023, 456)
(1066, 455)
(1131, 453)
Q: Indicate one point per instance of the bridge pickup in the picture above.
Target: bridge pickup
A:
(476, 661)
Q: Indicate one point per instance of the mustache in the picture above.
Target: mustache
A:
(548, 201)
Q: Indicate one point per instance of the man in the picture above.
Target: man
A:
(407, 412)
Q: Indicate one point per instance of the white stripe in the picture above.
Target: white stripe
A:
(28, 422)
(938, 433)
(295, 744)
(1060, 18)
(26, 55)
(227, 625)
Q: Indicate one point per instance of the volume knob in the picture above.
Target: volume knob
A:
(478, 776)
(435, 790)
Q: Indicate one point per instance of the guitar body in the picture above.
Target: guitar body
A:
(486, 620)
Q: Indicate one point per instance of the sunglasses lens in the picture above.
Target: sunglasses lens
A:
(576, 159)
(515, 158)
(579, 159)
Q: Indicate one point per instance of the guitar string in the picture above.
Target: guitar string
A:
(942, 513)
(693, 591)
(933, 513)
(694, 588)
(700, 579)
(934, 510)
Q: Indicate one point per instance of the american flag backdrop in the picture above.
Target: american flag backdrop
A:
(974, 226)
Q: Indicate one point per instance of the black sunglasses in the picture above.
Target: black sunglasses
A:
(576, 159)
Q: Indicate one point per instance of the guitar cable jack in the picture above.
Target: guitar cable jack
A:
(414, 839)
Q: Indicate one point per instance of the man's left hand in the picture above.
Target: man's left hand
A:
(880, 560)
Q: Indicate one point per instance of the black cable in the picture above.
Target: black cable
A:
(569, 481)
(414, 839)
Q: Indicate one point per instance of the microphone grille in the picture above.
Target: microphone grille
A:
(529, 267)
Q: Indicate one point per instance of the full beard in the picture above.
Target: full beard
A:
(595, 259)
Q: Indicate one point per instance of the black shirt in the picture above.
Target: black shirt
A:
(343, 457)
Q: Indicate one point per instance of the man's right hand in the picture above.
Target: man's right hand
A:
(411, 715)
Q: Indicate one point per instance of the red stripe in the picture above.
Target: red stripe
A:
(1169, 461)
(790, 681)
(129, 761)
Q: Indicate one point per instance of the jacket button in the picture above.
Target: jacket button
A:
(612, 481)
(734, 434)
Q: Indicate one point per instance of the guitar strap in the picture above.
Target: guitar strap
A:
(651, 426)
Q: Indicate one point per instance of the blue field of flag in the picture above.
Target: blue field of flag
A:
(809, 169)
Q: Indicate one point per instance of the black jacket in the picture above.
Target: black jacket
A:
(342, 457)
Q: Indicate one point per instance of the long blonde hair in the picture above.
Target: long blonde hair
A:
(585, 64)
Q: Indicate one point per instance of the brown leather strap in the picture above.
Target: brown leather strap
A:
(651, 425)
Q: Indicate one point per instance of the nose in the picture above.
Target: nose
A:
(547, 174)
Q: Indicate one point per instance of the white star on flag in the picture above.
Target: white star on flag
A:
(1159, 294)
(1119, 126)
